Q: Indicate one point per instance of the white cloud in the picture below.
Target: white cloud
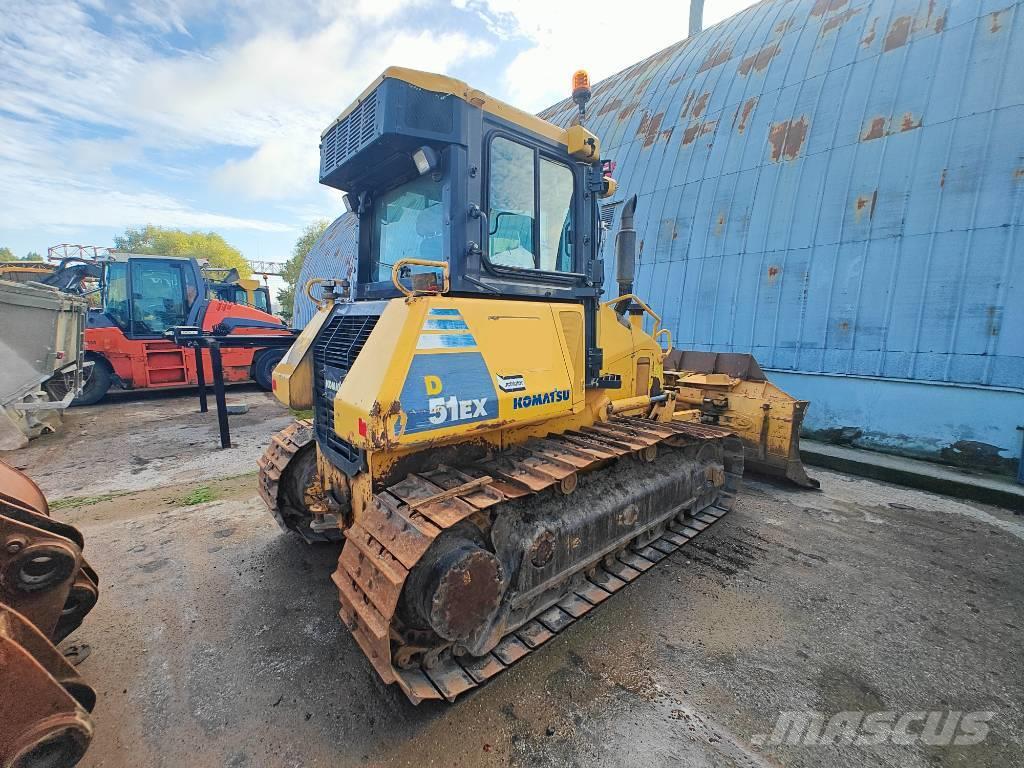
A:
(268, 88)
(602, 37)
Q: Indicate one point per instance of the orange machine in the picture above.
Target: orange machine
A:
(141, 298)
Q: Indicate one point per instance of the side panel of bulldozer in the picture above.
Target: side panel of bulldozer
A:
(731, 390)
(46, 588)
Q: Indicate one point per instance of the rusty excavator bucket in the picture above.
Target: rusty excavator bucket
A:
(46, 589)
(729, 389)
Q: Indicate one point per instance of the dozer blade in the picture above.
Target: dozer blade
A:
(731, 390)
(555, 527)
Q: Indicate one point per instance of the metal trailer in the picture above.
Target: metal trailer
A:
(41, 344)
(837, 187)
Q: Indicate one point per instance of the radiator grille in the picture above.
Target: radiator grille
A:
(337, 347)
(346, 137)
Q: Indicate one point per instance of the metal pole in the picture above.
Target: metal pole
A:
(218, 390)
(201, 380)
(696, 17)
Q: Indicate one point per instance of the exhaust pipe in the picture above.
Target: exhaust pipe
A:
(625, 253)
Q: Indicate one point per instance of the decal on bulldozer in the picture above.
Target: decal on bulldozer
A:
(444, 390)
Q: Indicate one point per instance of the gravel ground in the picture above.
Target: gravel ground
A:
(216, 640)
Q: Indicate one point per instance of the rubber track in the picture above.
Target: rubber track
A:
(391, 536)
(274, 461)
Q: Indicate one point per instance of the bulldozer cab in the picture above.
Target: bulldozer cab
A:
(438, 172)
(459, 193)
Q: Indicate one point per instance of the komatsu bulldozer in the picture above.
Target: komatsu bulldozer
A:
(498, 448)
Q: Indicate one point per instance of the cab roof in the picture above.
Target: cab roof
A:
(435, 83)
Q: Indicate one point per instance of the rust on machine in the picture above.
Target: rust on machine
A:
(411, 536)
(46, 589)
(787, 139)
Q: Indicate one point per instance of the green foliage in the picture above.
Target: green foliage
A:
(73, 502)
(200, 495)
(293, 267)
(6, 254)
(163, 241)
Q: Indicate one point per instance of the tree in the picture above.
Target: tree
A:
(293, 267)
(163, 241)
(6, 254)
(31, 256)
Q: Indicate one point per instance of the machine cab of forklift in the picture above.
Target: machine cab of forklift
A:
(438, 172)
(146, 295)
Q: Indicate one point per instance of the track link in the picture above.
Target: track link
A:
(273, 466)
(398, 528)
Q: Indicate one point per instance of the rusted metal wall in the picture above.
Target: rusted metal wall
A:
(837, 186)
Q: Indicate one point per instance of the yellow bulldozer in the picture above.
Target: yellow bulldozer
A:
(498, 448)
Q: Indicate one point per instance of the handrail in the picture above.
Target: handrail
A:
(668, 347)
(643, 306)
(308, 288)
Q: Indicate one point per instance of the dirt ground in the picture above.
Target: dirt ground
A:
(216, 640)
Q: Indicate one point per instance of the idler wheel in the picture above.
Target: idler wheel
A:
(459, 588)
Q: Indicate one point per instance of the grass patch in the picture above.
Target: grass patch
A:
(302, 414)
(73, 502)
(200, 495)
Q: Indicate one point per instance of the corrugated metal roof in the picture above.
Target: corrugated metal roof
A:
(333, 255)
(835, 186)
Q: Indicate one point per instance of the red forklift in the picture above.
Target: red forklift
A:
(140, 299)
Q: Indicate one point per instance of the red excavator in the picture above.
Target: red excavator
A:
(140, 298)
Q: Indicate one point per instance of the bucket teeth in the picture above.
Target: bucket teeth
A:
(393, 533)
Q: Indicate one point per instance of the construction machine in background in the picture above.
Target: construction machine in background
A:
(139, 299)
(46, 589)
(227, 285)
(498, 448)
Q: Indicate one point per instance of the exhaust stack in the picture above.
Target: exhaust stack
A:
(625, 252)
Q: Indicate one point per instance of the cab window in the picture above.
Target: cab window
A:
(408, 223)
(529, 209)
(116, 293)
(262, 298)
(159, 297)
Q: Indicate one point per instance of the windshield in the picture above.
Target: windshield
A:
(408, 223)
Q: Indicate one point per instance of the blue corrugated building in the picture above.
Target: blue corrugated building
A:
(837, 187)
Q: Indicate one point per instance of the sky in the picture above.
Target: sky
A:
(207, 114)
